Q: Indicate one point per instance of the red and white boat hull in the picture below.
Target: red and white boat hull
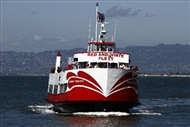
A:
(86, 87)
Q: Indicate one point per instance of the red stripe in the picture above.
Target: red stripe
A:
(70, 74)
(78, 81)
(131, 82)
(126, 95)
(88, 77)
(123, 78)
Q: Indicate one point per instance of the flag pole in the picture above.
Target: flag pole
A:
(96, 22)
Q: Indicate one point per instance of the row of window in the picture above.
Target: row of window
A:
(101, 47)
(97, 65)
(57, 89)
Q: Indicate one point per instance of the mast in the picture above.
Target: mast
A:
(89, 30)
(96, 29)
(115, 30)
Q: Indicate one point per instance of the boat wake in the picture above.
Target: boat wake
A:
(149, 107)
(42, 109)
(107, 114)
(48, 109)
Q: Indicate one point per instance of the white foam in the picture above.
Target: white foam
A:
(47, 109)
(43, 109)
(142, 112)
(107, 114)
(101, 114)
(147, 113)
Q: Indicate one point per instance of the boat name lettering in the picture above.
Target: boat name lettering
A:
(105, 58)
(106, 54)
(76, 81)
(130, 82)
(92, 54)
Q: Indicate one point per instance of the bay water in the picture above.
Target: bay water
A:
(165, 103)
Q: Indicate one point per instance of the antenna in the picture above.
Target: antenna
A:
(89, 30)
(115, 30)
(96, 22)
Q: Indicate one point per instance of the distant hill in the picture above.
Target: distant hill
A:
(160, 59)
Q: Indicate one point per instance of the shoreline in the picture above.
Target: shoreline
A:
(140, 75)
(162, 75)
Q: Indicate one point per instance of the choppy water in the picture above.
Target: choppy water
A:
(165, 103)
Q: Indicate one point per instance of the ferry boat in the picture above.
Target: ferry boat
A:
(100, 79)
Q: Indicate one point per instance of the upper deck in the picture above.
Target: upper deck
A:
(101, 46)
(100, 51)
(115, 57)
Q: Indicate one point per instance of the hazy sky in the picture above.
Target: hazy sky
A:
(35, 26)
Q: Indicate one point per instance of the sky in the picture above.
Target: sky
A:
(36, 26)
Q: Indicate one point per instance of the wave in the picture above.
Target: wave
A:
(148, 107)
(100, 114)
(164, 102)
(107, 114)
(42, 109)
(48, 109)
(143, 111)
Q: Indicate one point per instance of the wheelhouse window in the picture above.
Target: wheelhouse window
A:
(110, 47)
(103, 65)
(95, 47)
(123, 66)
(50, 89)
(103, 47)
(75, 59)
(55, 89)
(93, 65)
(83, 65)
(113, 65)
(63, 88)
